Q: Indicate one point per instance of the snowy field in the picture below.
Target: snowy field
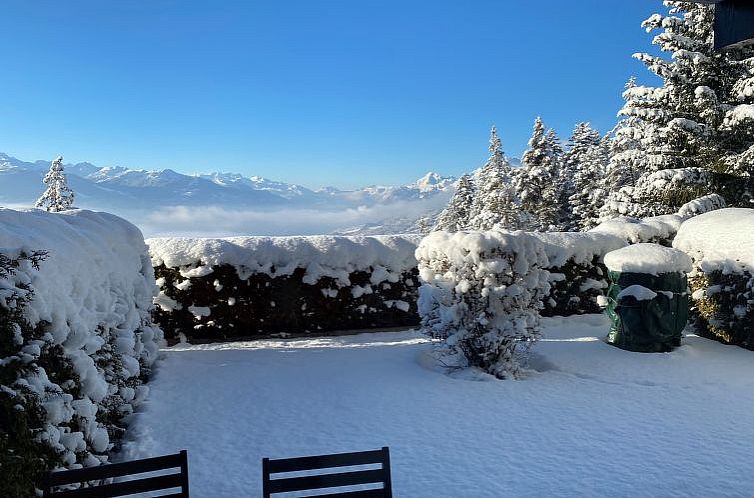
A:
(589, 420)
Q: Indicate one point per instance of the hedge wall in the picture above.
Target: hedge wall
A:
(222, 305)
(722, 306)
(245, 287)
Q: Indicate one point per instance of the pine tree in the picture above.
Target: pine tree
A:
(537, 184)
(587, 159)
(627, 158)
(495, 204)
(685, 125)
(58, 196)
(456, 216)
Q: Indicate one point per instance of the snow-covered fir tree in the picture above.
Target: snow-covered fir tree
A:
(456, 215)
(58, 196)
(495, 203)
(627, 159)
(537, 183)
(584, 166)
(688, 124)
(424, 225)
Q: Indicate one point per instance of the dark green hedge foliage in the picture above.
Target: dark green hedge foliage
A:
(266, 306)
(726, 311)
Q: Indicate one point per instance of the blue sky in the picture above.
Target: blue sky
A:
(316, 92)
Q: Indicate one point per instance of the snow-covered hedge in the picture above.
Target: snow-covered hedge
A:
(76, 339)
(482, 294)
(658, 229)
(721, 244)
(577, 272)
(246, 286)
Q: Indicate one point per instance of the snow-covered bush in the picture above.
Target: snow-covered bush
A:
(721, 244)
(577, 273)
(246, 286)
(482, 294)
(76, 339)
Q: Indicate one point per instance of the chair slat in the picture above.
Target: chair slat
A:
(365, 493)
(114, 470)
(326, 481)
(325, 461)
(125, 488)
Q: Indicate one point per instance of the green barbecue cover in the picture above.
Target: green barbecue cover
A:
(647, 325)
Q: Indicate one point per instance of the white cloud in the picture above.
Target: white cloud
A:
(217, 221)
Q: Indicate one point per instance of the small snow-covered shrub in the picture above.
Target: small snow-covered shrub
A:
(721, 244)
(76, 339)
(246, 286)
(577, 273)
(482, 294)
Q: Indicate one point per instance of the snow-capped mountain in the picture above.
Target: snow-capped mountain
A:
(140, 196)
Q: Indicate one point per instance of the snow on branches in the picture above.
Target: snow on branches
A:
(482, 295)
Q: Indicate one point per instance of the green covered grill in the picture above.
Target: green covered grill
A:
(647, 301)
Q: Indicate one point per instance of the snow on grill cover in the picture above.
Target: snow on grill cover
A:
(90, 310)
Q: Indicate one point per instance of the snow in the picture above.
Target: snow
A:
(652, 259)
(721, 239)
(578, 247)
(634, 230)
(590, 420)
(95, 289)
(739, 114)
(638, 292)
(331, 256)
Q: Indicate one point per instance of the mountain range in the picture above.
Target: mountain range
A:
(167, 202)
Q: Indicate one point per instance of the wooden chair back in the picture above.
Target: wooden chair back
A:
(329, 477)
(124, 488)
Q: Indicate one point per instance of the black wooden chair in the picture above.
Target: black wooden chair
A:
(331, 478)
(124, 488)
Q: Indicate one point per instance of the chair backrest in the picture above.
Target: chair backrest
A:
(330, 478)
(124, 488)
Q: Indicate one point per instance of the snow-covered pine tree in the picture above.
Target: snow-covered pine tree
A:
(495, 204)
(424, 225)
(739, 121)
(584, 170)
(456, 216)
(682, 125)
(627, 158)
(537, 183)
(58, 196)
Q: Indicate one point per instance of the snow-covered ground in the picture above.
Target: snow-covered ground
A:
(589, 420)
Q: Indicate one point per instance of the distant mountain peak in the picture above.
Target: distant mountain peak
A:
(433, 181)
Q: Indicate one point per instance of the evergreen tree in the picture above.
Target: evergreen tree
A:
(457, 214)
(588, 158)
(687, 125)
(537, 184)
(495, 204)
(58, 196)
(627, 158)
(424, 225)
